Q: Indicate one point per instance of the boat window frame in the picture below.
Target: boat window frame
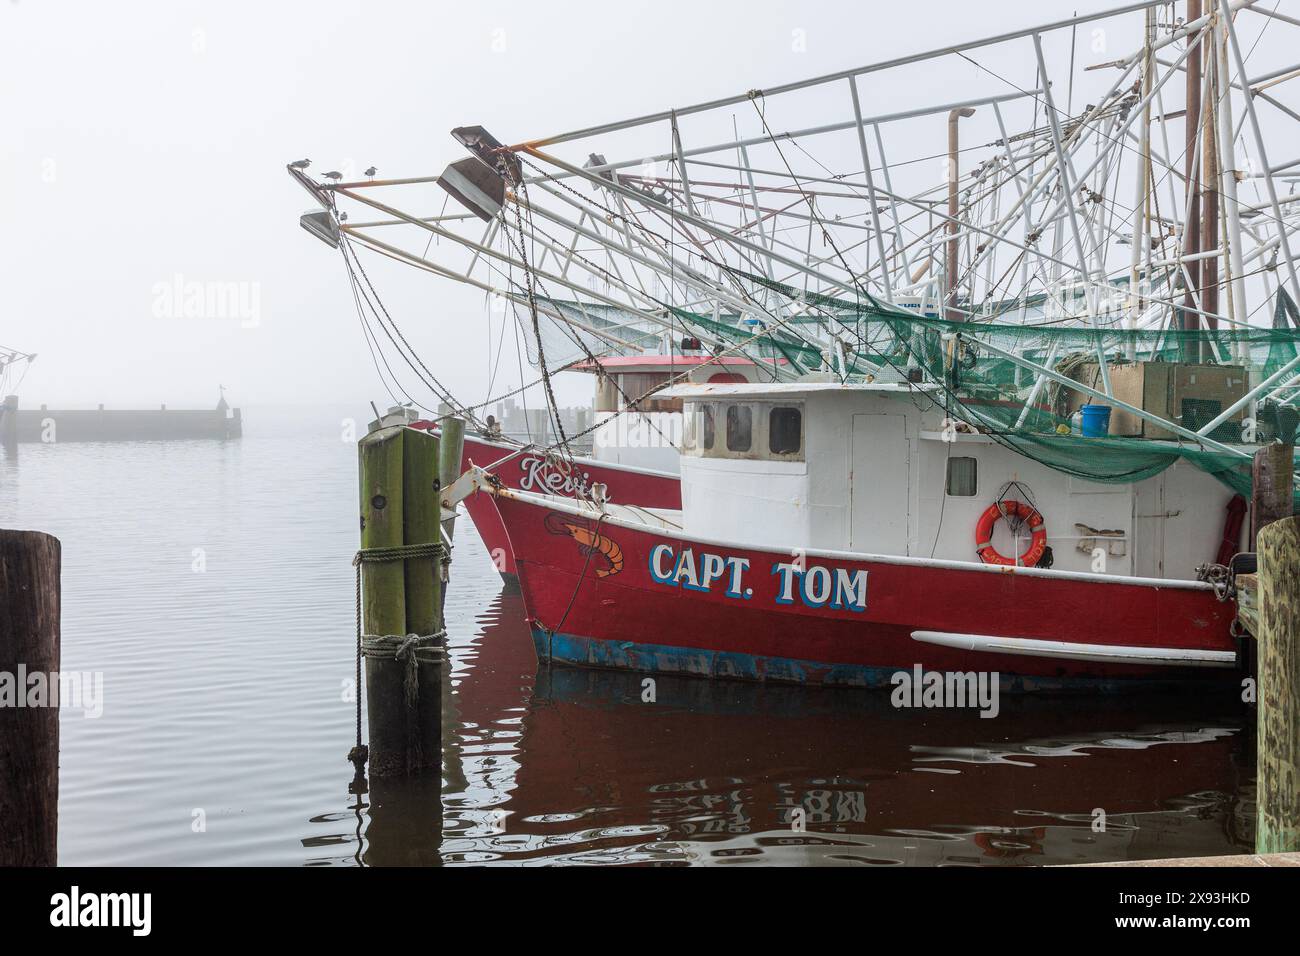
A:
(974, 475)
(709, 428)
(798, 409)
(760, 429)
(733, 415)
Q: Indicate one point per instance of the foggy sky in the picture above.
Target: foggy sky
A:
(143, 145)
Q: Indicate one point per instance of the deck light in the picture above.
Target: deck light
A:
(476, 186)
(322, 225)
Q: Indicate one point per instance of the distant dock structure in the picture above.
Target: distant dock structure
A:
(105, 424)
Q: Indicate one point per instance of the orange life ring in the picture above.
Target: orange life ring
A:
(1006, 509)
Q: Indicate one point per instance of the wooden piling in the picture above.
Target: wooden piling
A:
(421, 513)
(451, 451)
(399, 506)
(29, 735)
(1272, 487)
(1278, 721)
(383, 596)
(383, 589)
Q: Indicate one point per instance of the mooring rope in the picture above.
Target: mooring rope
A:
(403, 648)
(411, 650)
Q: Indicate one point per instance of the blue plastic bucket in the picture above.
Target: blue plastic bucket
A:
(1096, 421)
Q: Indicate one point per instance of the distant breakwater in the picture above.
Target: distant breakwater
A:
(159, 424)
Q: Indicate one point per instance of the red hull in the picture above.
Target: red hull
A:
(528, 472)
(766, 622)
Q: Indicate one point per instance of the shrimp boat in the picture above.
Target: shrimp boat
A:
(812, 547)
(1001, 419)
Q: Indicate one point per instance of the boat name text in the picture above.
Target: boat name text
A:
(540, 474)
(814, 585)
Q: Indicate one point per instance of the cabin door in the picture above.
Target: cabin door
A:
(1150, 517)
(880, 484)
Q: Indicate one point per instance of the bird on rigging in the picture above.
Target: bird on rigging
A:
(371, 172)
(334, 175)
(300, 164)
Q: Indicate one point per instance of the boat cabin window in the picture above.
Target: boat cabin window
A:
(962, 477)
(697, 430)
(785, 431)
(740, 427)
(706, 427)
(754, 430)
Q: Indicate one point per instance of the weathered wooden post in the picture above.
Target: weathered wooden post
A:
(1272, 487)
(421, 502)
(29, 735)
(1278, 720)
(450, 453)
(401, 595)
(452, 450)
(421, 514)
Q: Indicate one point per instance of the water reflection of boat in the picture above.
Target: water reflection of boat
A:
(579, 768)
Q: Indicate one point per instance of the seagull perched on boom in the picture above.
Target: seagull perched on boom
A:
(371, 172)
(300, 164)
(336, 176)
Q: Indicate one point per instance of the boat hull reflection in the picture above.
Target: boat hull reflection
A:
(596, 767)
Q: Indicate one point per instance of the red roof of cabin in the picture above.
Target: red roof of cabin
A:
(662, 361)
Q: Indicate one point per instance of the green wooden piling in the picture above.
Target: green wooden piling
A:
(400, 507)
(383, 590)
(421, 513)
(383, 597)
(1278, 720)
(422, 503)
(453, 449)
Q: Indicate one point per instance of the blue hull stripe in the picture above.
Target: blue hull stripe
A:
(699, 662)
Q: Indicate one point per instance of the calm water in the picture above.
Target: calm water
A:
(211, 585)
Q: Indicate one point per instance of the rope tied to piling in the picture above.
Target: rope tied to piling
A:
(397, 553)
(411, 650)
(404, 648)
